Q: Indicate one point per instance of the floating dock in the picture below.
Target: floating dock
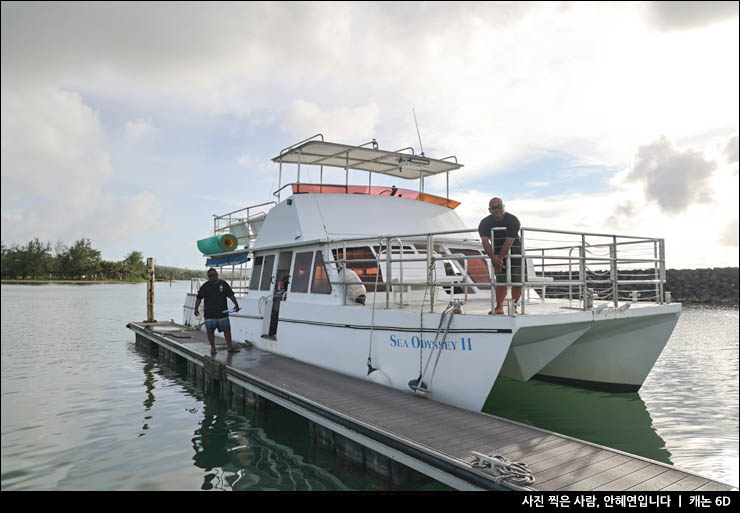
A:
(388, 430)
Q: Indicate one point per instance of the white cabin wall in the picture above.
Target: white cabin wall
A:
(313, 217)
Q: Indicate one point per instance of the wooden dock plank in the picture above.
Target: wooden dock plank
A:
(450, 430)
(659, 482)
(688, 483)
(571, 467)
(472, 441)
(634, 478)
(713, 486)
(492, 447)
(561, 459)
(566, 448)
(532, 452)
(458, 445)
(510, 446)
(462, 448)
(606, 476)
(557, 479)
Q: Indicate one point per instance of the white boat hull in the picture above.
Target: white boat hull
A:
(611, 350)
(338, 338)
(618, 352)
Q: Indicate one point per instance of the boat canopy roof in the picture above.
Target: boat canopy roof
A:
(373, 160)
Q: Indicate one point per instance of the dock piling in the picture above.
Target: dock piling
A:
(150, 290)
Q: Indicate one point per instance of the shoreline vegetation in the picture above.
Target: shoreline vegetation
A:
(43, 281)
(36, 262)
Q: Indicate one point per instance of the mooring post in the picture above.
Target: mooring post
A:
(150, 290)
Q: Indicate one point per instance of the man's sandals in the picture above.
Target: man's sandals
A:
(516, 310)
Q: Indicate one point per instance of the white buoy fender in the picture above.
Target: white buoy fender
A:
(378, 376)
(357, 289)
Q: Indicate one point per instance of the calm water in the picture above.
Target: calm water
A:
(83, 408)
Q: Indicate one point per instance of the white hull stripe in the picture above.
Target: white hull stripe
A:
(393, 328)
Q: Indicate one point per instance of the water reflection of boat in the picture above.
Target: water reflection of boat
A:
(237, 455)
(248, 450)
(620, 421)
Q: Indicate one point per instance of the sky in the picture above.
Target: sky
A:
(132, 124)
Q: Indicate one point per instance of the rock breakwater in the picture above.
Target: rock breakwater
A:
(716, 285)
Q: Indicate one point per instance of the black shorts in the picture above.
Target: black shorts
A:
(516, 267)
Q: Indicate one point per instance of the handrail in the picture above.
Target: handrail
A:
(592, 281)
(240, 226)
(300, 142)
(329, 157)
(599, 277)
(277, 192)
(545, 230)
(245, 208)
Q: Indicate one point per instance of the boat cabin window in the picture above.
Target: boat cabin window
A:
(301, 272)
(282, 276)
(367, 271)
(267, 272)
(407, 250)
(254, 280)
(320, 283)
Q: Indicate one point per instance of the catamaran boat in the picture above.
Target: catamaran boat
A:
(388, 284)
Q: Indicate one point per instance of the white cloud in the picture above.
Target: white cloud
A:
(732, 150)
(696, 236)
(305, 119)
(55, 168)
(730, 235)
(688, 15)
(484, 88)
(105, 219)
(51, 145)
(674, 178)
(137, 130)
(245, 160)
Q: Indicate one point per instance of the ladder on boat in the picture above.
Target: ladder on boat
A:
(419, 386)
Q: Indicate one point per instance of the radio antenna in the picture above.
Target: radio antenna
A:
(417, 131)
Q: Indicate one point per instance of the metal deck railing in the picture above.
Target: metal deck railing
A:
(578, 266)
(244, 223)
(582, 267)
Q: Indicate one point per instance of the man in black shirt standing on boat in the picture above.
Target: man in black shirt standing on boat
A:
(503, 242)
(215, 292)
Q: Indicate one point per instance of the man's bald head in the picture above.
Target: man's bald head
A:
(496, 207)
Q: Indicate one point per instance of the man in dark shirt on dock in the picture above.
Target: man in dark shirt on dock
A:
(215, 292)
(503, 241)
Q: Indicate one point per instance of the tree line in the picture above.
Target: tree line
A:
(80, 261)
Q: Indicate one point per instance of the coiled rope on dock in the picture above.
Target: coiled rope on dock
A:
(503, 470)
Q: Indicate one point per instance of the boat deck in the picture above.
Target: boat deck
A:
(481, 305)
(430, 437)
